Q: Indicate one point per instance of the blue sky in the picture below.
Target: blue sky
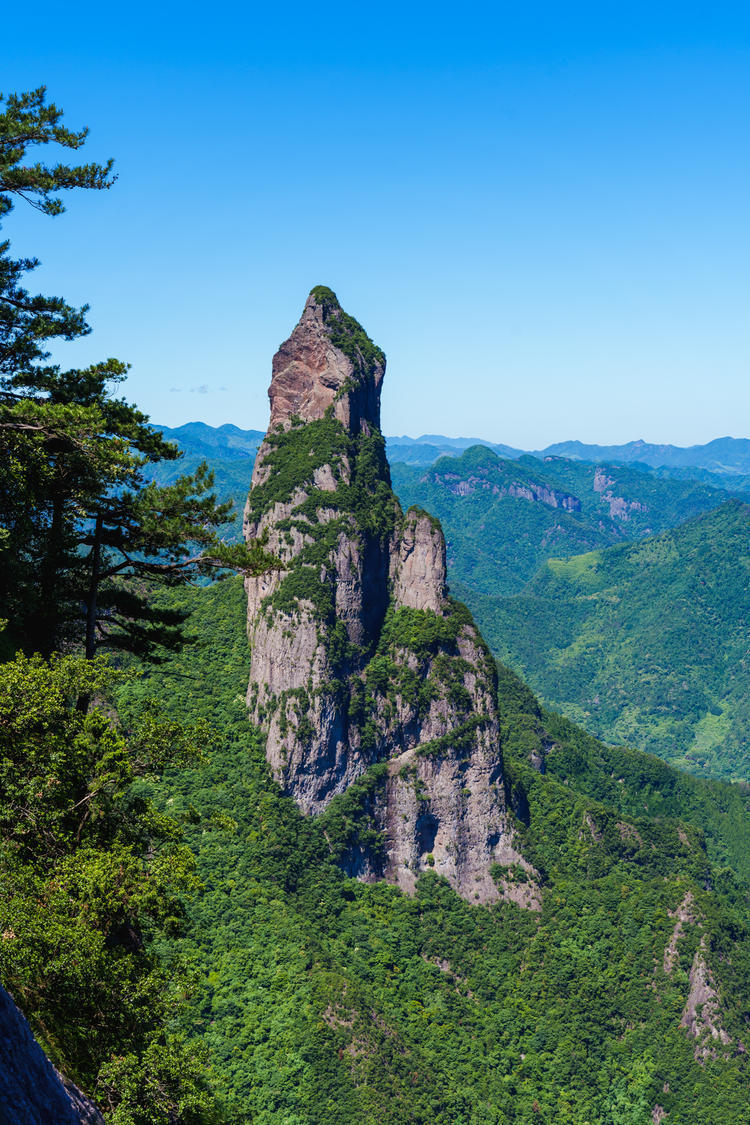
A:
(540, 213)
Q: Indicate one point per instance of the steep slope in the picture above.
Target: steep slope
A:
(504, 518)
(635, 501)
(359, 660)
(644, 643)
(31, 1090)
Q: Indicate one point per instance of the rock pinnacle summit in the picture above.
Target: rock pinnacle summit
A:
(362, 668)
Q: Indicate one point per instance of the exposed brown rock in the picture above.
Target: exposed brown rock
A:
(358, 656)
(520, 490)
(310, 375)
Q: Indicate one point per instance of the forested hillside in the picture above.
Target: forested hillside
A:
(644, 644)
(323, 999)
(503, 518)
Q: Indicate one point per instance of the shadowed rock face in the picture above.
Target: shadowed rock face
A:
(31, 1090)
(362, 668)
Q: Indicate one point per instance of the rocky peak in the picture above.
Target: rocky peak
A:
(418, 565)
(372, 686)
(327, 364)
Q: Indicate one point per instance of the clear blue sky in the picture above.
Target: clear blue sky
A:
(539, 211)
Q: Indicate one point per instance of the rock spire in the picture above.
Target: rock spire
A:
(362, 668)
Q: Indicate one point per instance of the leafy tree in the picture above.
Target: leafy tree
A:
(89, 871)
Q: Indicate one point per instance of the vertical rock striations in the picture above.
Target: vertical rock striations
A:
(31, 1090)
(367, 679)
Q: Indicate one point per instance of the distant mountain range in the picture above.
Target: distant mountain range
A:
(724, 456)
(428, 448)
(502, 519)
(581, 629)
(224, 443)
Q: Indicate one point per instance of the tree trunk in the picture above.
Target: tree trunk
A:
(44, 633)
(91, 601)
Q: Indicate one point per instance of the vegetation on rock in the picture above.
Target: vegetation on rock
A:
(325, 999)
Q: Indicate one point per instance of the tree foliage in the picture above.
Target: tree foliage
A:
(28, 321)
(323, 999)
(87, 535)
(91, 870)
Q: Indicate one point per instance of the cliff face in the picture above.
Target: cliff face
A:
(361, 666)
(31, 1090)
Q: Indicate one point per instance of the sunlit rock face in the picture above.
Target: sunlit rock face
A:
(362, 668)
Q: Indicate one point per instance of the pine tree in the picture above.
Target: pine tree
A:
(86, 535)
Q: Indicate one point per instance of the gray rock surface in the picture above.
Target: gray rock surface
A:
(418, 564)
(31, 1090)
(358, 656)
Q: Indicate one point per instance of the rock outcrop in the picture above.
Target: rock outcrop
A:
(701, 1016)
(619, 507)
(367, 679)
(533, 492)
(31, 1090)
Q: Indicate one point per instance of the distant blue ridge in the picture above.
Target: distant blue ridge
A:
(721, 456)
